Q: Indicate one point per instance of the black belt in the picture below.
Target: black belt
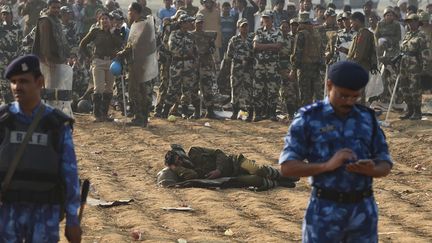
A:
(57, 94)
(342, 197)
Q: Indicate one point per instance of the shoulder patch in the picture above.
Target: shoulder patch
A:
(312, 107)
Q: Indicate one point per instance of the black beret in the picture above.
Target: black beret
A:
(347, 74)
(23, 64)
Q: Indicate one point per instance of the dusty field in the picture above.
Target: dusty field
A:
(122, 162)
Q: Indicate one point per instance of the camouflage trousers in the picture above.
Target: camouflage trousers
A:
(327, 221)
(140, 93)
(310, 84)
(289, 89)
(5, 91)
(266, 84)
(206, 77)
(410, 88)
(28, 222)
(182, 84)
(241, 86)
(164, 76)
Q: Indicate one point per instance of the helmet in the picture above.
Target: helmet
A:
(116, 68)
(167, 177)
(84, 106)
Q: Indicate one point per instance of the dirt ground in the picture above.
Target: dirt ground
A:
(122, 163)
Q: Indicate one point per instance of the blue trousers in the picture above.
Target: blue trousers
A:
(328, 221)
(28, 222)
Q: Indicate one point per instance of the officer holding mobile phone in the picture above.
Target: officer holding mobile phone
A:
(339, 144)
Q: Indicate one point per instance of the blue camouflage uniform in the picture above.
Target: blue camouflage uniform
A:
(315, 135)
(32, 222)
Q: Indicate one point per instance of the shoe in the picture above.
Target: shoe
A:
(250, 115)
(417, 115)
(210, 113)
(97, 107)
(137, 123)
(236, 110)
(408, 114)
(258, 117)
(185, 111)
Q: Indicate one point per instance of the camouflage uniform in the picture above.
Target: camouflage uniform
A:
(10, 37)
(307, 59)
(266, 72)
(240, 53)
(200, 161)
(411, 66)
(32, 9)
(69, 31)
(206, 71)
(182, 70)
(289, 88)
(391, 33)
(341, 38)
(27, 42)
(165, 62)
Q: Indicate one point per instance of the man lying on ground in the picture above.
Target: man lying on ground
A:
(207, 163)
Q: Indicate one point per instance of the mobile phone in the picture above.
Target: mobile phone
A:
(363, 161)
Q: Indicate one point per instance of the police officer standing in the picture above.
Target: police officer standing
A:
(307, 60)
(266, 43)
(44, 178)
(182, 70)
(240, 54)
(206, 72)
(10, 38)
(411, 66)
(345, 149)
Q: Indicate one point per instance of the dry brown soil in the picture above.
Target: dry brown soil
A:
(122, 163)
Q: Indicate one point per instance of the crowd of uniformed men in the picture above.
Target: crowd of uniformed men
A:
(267, 57)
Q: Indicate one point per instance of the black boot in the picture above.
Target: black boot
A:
(106, 102)
(185, 111)
(291, 109)
(271, 112)
(258, 115)
(165, 110)
(250, 114)
(210, 113)
(409, 113)
(97, 107)
(197, 112)
(158, 111)
(236, 110)
(417, 115)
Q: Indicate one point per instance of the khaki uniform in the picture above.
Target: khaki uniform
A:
(363, 50)
(307, 59)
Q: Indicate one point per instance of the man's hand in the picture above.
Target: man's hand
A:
(213, 174)
(339, 159)
(73, 234)
(365, 167)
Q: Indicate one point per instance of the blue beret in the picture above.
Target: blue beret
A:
(348, 75)
(23, 64)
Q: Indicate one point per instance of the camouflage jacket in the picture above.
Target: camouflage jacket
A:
(389, 31)
(267, 36)
(10, 37)
(412, 49)
(307, 48)
(286, 51)
(205, 42)
(205, 160)
(182, 45)
(240, 50)
(69, 31)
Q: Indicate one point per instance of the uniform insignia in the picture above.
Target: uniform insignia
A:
(24, 67)
(328, 128)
